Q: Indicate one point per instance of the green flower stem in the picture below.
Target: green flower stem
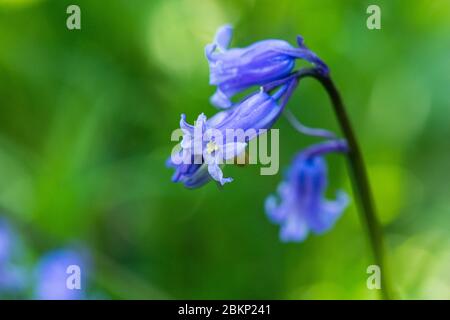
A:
(360, 180)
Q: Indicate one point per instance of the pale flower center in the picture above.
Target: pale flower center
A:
(211, 147)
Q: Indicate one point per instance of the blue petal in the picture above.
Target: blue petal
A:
(258, 111)
(232, 150)
(220, 100)
(184, 125)
(278, 211)
(200, 123)
(6, 240)
(209, 51)
(271, 207)
(217, 174)
(329, 213)
(294, 229)
(223, 37)
(198, 178)
(305, 54)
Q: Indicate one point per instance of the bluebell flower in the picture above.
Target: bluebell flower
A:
(301, 206)
(235, 70)
(206, 144)
(51, 275)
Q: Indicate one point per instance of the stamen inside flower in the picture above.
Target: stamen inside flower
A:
(211, 147)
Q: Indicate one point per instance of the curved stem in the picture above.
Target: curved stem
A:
(292, 81)
(359, 176)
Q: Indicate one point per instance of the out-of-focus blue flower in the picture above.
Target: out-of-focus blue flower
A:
(301, 206)
(235, 70)
(12, 277)
(52, 274)
(5, 241)
(207, 144)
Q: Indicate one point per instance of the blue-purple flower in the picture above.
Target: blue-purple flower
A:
(237, 69)
(12, 277)
(5, 241)
(301, 205)
(53, 272)
(208, 144)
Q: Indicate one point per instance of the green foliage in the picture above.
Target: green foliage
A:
(85, 123)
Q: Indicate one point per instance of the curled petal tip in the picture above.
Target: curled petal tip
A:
(183, 124)
(201, 119)
(300, 41)
(217, 174)
(209, 49)
(226, 180)
(270, 206)
(293, 231)
(223, 37)
(220, 100)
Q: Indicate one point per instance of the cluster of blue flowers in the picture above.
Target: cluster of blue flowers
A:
(300, 206)
(44, 280)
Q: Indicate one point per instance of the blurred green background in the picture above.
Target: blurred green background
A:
(85, 123)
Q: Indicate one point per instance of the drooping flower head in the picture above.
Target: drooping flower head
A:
(207, 144)
(301, 206)
(237, 69)
(52, 275)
